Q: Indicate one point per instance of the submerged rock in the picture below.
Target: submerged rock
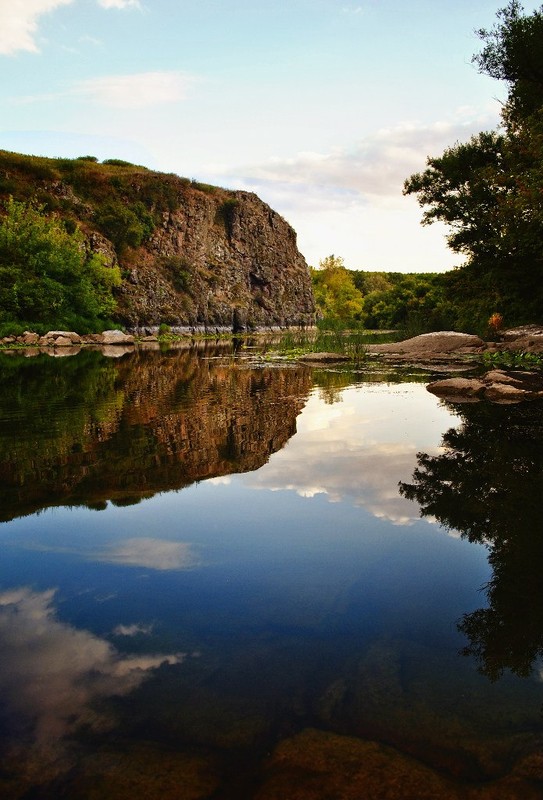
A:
(318, 765)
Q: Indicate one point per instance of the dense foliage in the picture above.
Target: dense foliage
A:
(412, 302)
(490, 189)
(47, 278)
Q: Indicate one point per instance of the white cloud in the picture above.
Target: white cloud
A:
(119, 3)
(52, 674)
(377, 166)
(348, 201)
(19, 23)
(140, 90)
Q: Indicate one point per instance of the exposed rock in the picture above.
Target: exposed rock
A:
(532, 343)
(92, 338)
(29, 337)
(221, 260)
(522, 332)
(59, 339)
(431, 346)
(467, 388)
(497, 385)
(323, 358)
(197, 255)
(117, 337)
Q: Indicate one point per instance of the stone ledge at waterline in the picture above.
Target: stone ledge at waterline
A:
(68, 339)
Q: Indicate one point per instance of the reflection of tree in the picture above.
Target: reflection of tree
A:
(488, 484)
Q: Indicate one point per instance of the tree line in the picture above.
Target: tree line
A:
(489, 192)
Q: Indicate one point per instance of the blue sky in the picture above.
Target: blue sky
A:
(321, 107)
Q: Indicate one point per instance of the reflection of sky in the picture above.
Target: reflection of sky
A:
(359, 449)
(52, 673)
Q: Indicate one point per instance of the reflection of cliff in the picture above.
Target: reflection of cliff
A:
(488, 485)
(87, 431)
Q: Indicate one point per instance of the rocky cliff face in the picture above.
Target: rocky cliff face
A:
(219, 260)
(191, 254)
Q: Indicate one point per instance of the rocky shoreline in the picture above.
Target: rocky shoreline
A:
(448, 351)
(447, 347)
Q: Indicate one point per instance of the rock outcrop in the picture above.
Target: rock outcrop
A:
(191, 255)
(224, 260)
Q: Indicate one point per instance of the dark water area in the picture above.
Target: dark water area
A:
(226, 578)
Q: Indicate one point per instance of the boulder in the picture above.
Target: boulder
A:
(497, 386)
(461, 388)
(532, 343)
(60, 339)
(117, 337)
(29, 337)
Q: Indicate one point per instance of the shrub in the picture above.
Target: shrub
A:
(47, 277)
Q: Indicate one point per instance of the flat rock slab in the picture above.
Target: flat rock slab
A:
(497, 386)
(432, 345)
(323, 358)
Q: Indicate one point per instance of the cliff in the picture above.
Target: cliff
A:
(190, 254)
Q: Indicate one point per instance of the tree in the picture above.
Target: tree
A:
(489, 191)
(335, 293)
(46, 275)
(513, 53)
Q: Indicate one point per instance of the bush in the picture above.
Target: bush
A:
(47, 277)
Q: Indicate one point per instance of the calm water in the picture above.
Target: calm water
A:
(229, 580)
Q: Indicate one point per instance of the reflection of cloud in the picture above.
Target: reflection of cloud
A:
(151, 553)
(51, 673)
(359, 450)
(133, 630)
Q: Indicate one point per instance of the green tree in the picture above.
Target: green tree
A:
(46, 275)
(122, 225)
(489, 191)
(335, 293)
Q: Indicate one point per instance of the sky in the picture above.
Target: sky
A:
(321, 107)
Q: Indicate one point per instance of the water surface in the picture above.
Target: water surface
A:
(229, 580)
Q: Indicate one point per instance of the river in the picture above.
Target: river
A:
(227, 578)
